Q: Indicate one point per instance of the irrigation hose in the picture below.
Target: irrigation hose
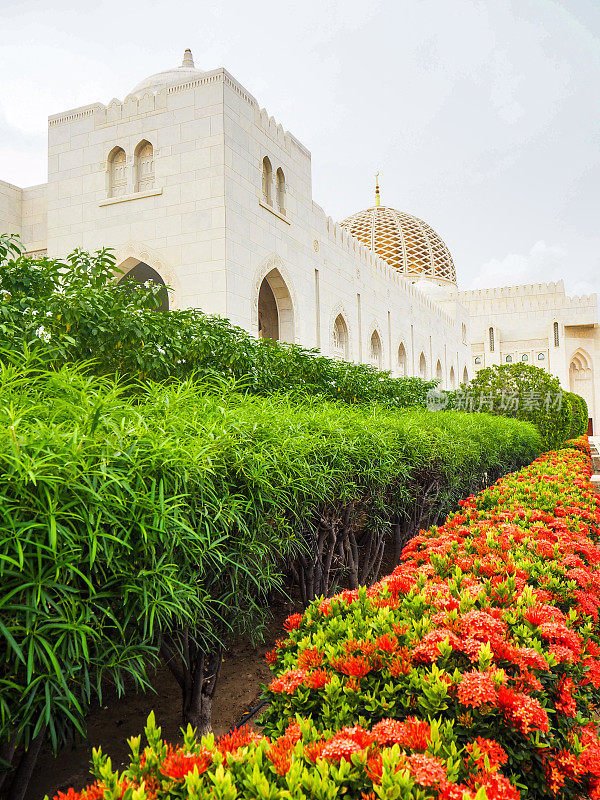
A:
(249, 714)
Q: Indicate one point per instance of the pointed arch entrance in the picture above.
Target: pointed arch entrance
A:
(141, 273)
(275, 309)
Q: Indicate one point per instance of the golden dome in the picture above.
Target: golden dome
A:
(405, 242)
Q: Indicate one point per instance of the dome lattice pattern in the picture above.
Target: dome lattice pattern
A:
(405, 242)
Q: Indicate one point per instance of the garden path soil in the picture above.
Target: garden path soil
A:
(109, 726)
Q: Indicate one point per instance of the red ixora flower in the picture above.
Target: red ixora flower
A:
(565, 701)
(178, 764)
(427, 770)
(413, 733)
(497, 787)
(526, 713)
(477, 689)
(496, 755)
(310, 657)
(292, 622)
(318, 678)
(240, 737)
(346, 742)
(289, 681)
(355, 666)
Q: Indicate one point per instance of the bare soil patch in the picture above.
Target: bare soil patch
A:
(110, 725)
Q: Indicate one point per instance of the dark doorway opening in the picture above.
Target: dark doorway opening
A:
(142, 273)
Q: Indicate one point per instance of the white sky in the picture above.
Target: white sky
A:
(482, 116)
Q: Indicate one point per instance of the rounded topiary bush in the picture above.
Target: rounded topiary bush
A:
(579, 414)
(525, 392)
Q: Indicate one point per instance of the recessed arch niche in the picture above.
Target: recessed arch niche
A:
(581, 377)
(141, 273)
(275, 309)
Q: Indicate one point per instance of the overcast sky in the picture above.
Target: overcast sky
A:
(483, 118)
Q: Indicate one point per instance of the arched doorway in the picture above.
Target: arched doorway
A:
(465, 375)
(452, 378)
(142, 273)
(438, 372)
(422, 366)
(581, 379)
(275, 309)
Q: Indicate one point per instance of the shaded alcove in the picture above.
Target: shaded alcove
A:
(275, 310)
(140, 274)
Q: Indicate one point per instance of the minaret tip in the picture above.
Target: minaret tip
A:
(188, 59)
(377, 200)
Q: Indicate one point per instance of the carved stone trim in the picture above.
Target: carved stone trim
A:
(125, 197)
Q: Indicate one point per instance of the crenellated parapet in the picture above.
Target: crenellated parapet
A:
(529, 297)
(276, 131)
(339, 237)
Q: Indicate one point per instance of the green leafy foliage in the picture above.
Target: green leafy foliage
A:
(579, 414)
(134, 520)
(525, 392)
(151, 514)
(471, 672)
(74, 311)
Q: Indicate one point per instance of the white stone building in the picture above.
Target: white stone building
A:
(196, 186)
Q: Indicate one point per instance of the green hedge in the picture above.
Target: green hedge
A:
(525, 392)
(155, 522)
(73, 311)
(579, 415)
(471, 672)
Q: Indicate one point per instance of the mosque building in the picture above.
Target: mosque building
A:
(196, 187)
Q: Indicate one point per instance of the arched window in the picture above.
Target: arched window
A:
(144, 167)
(340, 338)
(541, 356)
(556, 336)
(402, 360)
(509, 359)
(478, 359)
(267, 181)
(438, 371)
(464, 333)
(465, 375)
(422, 367)
(524, 357)
(452, 378)
(280, 191)
(117, 172)
(375, 354)
(491, 340)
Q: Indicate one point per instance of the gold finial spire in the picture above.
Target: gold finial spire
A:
(377, 200)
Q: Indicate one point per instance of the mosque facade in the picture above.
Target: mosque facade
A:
(194, 185)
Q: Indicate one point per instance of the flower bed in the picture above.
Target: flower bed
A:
(474, 668)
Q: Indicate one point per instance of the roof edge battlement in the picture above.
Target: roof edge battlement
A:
(337, 234)
(543, 295)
